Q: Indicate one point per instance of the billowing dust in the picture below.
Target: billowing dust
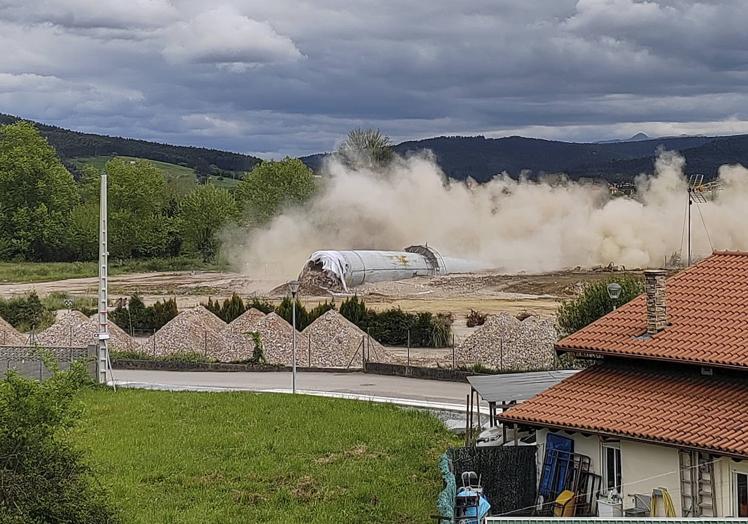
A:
(507, 224)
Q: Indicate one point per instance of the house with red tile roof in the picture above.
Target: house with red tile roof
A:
(663, 411)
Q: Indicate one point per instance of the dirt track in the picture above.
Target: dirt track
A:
(487, 292)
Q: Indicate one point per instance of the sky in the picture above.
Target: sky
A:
(282, 77)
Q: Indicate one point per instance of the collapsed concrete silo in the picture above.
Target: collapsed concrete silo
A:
(342, 270)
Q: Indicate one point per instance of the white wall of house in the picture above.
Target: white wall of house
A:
(724, 484)
(646, 467)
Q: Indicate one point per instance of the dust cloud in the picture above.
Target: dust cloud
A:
(510, 225)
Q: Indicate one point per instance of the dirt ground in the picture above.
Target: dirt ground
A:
(456, 294)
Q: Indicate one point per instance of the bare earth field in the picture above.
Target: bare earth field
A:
(457, 294)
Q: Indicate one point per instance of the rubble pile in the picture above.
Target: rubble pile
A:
(9, 336)
(335, 341)
(505, 343)
(276, 336)
(74, 329)
(198, 331)
(246, 322)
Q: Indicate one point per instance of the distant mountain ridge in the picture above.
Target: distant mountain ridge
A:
(482, 158)
(74, 144)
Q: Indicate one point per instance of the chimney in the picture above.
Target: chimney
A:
(654, 284)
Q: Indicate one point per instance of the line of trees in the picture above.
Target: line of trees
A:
(47, 214)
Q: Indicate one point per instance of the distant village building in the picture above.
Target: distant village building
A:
(661, 420)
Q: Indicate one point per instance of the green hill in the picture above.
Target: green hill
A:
(72, 146)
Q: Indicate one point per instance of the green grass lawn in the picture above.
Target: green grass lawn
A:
(18, 272)
(242, 457)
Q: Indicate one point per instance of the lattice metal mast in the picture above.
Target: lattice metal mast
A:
(103, 355)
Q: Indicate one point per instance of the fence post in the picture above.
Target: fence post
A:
(309, 349)
(363, 354)
(453, 352)
(408, 367)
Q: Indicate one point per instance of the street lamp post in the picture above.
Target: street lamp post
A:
(293, 287)
(614, 291)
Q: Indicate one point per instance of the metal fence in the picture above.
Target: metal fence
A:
(602, 520)
(507, 473)
(30, 361)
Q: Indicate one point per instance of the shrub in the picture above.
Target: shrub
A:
(285, 310)
(593, 302)
(261, 304)
(392, 326)
(43, 478)
(139, 317)
(26, 313)
(354, 310)
(475, 318)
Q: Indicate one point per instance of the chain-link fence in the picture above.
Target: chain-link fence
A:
(31, 361)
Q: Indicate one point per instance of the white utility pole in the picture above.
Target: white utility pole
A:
(103, 283)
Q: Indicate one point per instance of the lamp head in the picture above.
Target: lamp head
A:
(614, 290)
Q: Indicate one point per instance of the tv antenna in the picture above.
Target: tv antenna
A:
(697, 191)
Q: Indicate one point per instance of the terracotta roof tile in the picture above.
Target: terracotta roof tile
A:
(673, 406)
(707, 308)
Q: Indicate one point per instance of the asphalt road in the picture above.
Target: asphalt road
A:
(434, 394)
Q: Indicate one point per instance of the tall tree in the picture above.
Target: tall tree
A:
(272, 185)
(204, 212)
(37, 195)
(366, 148)
(138, 223)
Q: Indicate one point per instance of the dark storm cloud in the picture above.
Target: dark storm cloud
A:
(290, 77)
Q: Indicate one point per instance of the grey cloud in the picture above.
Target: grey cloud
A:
(287, 77)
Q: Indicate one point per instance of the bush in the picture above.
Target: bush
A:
(392, 326)
(139, 317)
(285, 310)
(26, 313)
(593, 302)
(42, 477)
(475, 318)
(261, 304)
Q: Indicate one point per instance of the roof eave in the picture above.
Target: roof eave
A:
(587, 352)
(613, 434)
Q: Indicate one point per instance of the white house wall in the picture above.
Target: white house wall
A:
(724, 472)
(645, 467)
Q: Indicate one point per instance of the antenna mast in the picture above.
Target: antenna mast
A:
(103, 355)
(695, 184)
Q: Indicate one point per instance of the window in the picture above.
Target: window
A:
(612, 466)
(741, 494)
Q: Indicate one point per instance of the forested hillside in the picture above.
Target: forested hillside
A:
(481, 158)
(73, 144)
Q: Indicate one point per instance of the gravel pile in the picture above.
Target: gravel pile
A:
(198, 331)
(74, 329)
(246, 322)
(336, 342)
(507, 344)
(277, 341)
(9, 336)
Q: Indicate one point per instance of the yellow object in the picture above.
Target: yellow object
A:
(564, 505)
(666, 501)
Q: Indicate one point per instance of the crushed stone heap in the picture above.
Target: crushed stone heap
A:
(505, 343)
(335, 341)
(246, 322)
(276, 336)
(74, 329)
(198, 331)
(9, 336)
